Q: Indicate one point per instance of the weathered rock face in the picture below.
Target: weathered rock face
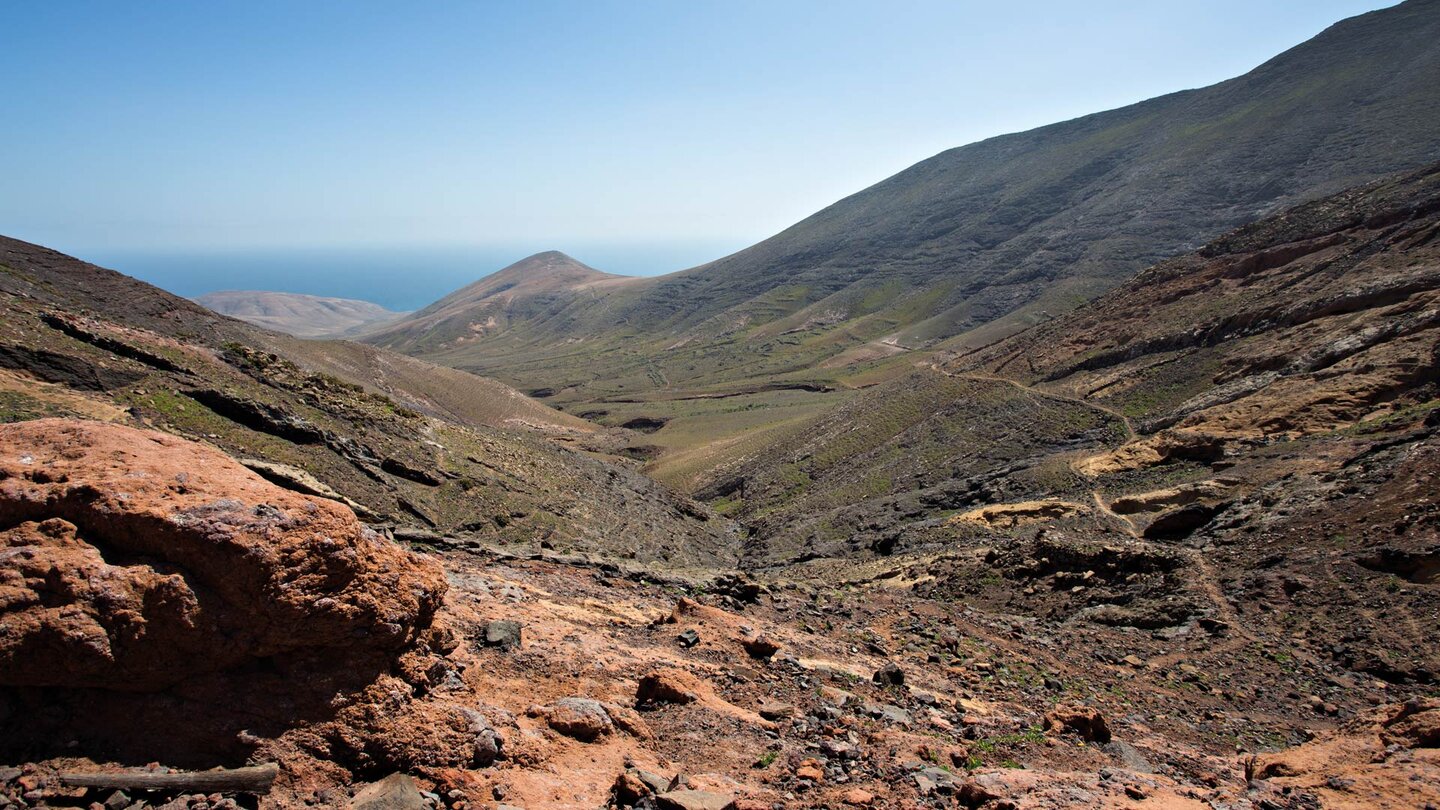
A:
(135, 560)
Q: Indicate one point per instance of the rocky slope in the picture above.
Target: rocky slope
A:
(296, 314)
(1177, 548)
(148, 576)
(543, 686)
(982, 240)
(413, 447)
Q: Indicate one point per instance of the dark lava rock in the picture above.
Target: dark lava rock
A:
(890, 674)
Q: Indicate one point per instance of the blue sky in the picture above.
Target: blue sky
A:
(236, 125)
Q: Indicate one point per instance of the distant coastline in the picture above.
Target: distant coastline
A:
(397, 278)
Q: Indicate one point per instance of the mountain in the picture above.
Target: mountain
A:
(423, 450)
(1222, 415)
(980, 241)
(1178, 547)
(1303, 325)
(297, 314)
(529, 293)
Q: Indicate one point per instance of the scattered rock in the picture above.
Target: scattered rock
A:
(581, 718)
(771, 709)
(810, 770)
(395, 792)
(1083, 720)
(761, 646)
(890, 675)
(665, 686)
(503, 634)
(696, 800)
(738, 588)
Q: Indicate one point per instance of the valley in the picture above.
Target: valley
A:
(1089, 466)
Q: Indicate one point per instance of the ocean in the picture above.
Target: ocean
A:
(396, 278)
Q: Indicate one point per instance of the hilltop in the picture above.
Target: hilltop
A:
(524, 295)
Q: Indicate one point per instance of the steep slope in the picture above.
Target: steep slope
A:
(297, 314)
(1255, 423)
(411, 446)
(1301, 325)
(990, 237)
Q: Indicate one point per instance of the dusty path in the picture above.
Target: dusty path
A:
(1130, 433)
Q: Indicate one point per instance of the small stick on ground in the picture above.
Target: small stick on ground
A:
(253, 779)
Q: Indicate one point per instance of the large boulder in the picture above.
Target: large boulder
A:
(134, 560)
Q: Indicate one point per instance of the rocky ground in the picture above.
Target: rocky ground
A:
(539, 683)
(1180, 549)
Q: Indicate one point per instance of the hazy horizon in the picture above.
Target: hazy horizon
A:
(397, 277)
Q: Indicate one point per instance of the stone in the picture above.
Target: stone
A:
(689, 638)
(629, 788)
(888, 713)
(858, 798)
(656, 782)
(810, 770)
(504, 634)
(395, 792)
(934, 780)
(665, 686)
(582, 718)
(775, 709)
(761, 646)
(695, 800)
(1415, 724)
(974, 794)
(890, 675)
(1083, 720)
(229, 568)
(628, 720)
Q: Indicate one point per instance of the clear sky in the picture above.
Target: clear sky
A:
(188, 125)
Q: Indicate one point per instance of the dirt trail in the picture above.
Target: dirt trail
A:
(1130, 433)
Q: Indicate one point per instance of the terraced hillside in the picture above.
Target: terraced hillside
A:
(415, 447)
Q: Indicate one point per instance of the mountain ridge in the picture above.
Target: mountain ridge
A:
(997, 234)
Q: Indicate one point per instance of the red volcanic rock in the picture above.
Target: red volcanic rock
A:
(1083, 720)
(134, 560)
